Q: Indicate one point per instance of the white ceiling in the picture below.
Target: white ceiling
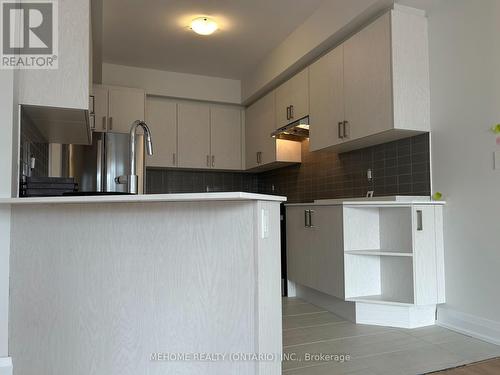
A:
(154, 33)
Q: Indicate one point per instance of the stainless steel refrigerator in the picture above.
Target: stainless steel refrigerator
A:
(97, 166)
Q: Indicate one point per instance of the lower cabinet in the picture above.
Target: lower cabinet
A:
(315, 252)
(390, 254)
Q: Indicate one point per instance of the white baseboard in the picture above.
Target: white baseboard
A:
(471, 325)
(6, 366)
(395, 316)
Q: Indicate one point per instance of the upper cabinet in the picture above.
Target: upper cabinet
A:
(68, 86)
(125, 106)
(193, 124)
(326, 90)
(226, 137)
(262, 150)
(161, 117)
(292, 99)
(374, 88)
(116, 108)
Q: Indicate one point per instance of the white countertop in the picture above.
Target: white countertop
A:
(396, 200)
(191, 197)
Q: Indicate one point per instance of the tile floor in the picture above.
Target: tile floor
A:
(373, 350)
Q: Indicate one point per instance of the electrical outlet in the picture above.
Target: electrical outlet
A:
(265, 223)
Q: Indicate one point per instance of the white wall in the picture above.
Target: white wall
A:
(326, 27)
(6, 155)
(465, 103)
(177, 85)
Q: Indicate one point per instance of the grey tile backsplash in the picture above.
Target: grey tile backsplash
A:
(32, 144)
(401, 167)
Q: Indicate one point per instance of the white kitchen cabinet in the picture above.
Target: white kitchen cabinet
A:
(68, 86)
(226, 137)
(193, 130)
(292, 99)
(386, 95)
(161, 117)
(326, 90)
(387, 258)
(262, 150)
(125, 106)
(315, 252)
(116, 108)
(100, 102)
(367, 80)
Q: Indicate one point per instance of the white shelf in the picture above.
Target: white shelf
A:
(380, 299)
(380, 253)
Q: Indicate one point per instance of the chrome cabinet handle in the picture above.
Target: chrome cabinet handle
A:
(311, 213)
(347, 129)
(104, 122)
(111, 123)
(288, 113)
(306, 218)
(213, 161)
(92, 122)
(291, 112)
(420, 221)
(208, 160)
(259, 157)
(340, 130)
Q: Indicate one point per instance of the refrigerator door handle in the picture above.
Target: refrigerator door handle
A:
(100, 164)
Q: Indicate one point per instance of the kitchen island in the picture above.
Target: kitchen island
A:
(151, 284)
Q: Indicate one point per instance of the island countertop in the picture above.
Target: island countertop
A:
(185, 197)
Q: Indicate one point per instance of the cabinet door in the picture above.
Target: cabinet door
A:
(193, 129)
(125, 106)
(425, 256)
(161, 116)
(225, 137)
(367, 80)
(298, 246)
(326, 90)
(327, 250)
(259, 124)
(100, 108)
(292, 99)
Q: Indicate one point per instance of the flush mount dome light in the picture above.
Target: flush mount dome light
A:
(204, 26)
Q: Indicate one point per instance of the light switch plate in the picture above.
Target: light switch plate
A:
(496, 160)
(265, 223)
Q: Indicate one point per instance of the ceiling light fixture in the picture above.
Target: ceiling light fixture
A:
(204, 26)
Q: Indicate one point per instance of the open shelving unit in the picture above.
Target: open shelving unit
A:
(378, 255)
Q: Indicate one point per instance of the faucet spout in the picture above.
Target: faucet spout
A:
(132, 180)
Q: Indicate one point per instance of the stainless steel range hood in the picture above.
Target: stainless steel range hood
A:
(296, 131)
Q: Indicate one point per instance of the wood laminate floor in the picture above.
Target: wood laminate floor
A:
(372, 350)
